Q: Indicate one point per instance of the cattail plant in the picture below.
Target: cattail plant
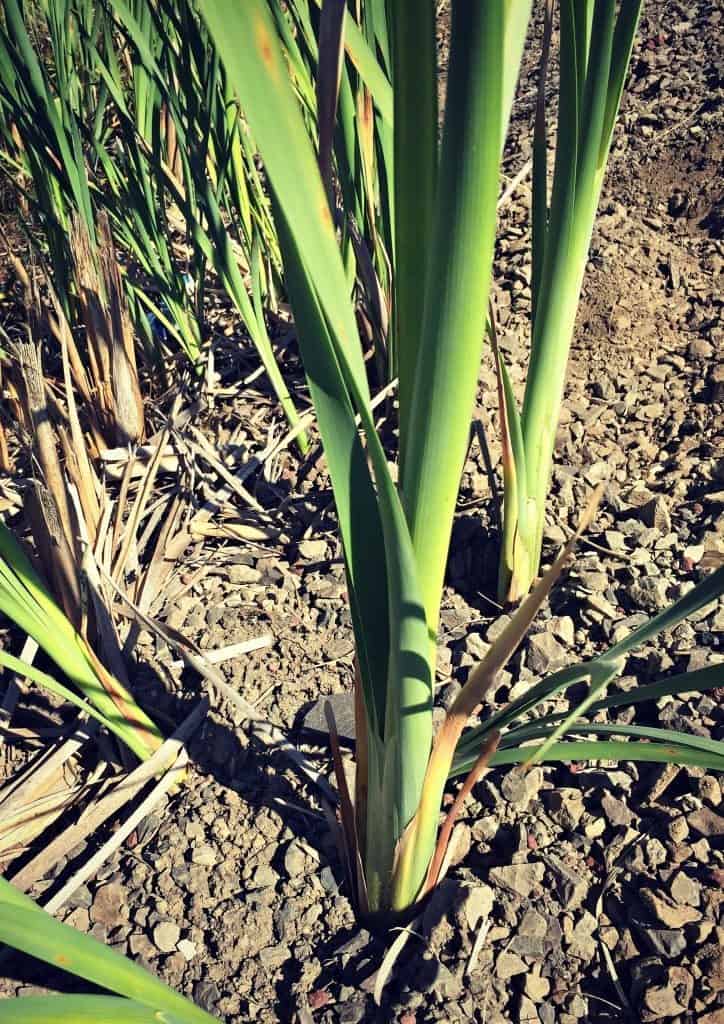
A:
(595, 47)
(396, 534)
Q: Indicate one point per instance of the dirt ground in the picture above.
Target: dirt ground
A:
(598, 887)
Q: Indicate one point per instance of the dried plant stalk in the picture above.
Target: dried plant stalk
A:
(90, 297)
(128, 403)
(44, 447)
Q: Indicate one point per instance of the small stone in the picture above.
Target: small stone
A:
(187, 949)
(206, 994)
(204, 855)
(527, 1013)
(594, 828)
(615, 540)
(667, 942)
(664, 777)
(678, 829)
(672, 997)
(577, 1007)
(446, 986)
(313, 550)
(244, 574)
(78, 919)
(109, 906)
(616, 811)
(520, 879)
(564, 806)
(706, 822)
(536, 987)
(667, 912)
(141, 946)
(710, 790)
(534, 936)
(655, 852)
(594, 582)
(496, 628)
(699, 348)
(545, 654)
(563, 628)
(81, 898)
(693, 553)
(263, 878)
(475, 646)
(508, 964)
(650, 593)
(701, 850)
(329, 882)
(321, 997)
(315, 720)
(655, 514)
(166, 935)
(572, 888)
(533, 924)
(518, 788)
(294, 859)
(273, 957)
(478, 905)
(582, 944)
(685, 890)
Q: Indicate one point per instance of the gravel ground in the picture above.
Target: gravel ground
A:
(600, 886)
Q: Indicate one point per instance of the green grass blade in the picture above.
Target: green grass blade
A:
(357, 510)
(514, 559)
(517, 17)
(700, 743)
(601, 670)
(415, 183)
(456, 290)
(27, 928)
(539, 209)
(247, 42)
(686, 682)
(25, 599)
(112, 720)
(362, 57)
(382, 577)
(604, 750)
(595, 47)
(623, 40)
(64, 1009)
(277, 126)
(708, 589)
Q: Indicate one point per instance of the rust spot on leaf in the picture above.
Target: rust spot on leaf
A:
(62, 960)
(264, 44)
(326, 215)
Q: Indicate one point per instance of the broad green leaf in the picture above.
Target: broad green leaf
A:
(456, 290)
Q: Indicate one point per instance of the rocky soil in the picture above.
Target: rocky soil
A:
(580, 892)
